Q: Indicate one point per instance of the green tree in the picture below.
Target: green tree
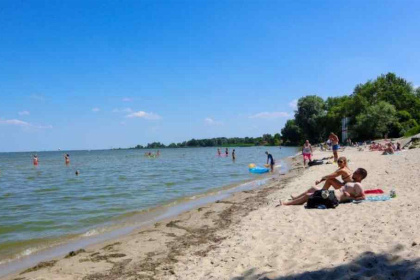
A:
(309, 117)
(375, 122)
(290, 133)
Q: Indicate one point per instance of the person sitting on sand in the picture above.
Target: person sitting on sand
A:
(343, 171)
(306, 152)
(388, 150)
(349, 191)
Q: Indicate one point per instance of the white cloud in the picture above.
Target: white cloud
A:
(123, 110)
(15, 122)
(23, 124)
(127, 99)
(144, 115)
(270, 115)
(23, 113)
(210, 121)
(293, 104)
(95, 110)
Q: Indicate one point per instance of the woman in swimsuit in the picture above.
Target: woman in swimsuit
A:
(306, 152)
(343, 171)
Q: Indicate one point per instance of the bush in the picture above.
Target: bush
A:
(413, 131)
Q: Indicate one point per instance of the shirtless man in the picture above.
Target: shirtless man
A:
(334, 141)
(349, 191)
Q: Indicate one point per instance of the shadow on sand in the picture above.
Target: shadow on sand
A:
(367, 266)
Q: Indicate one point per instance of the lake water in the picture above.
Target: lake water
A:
(44, 205)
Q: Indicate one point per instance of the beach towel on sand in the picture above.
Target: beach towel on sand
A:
(374, 198)
(374, 191)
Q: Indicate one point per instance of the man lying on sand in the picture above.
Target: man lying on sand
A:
(349, 191)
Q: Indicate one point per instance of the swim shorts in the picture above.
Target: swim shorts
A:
(307, 157)
(335, 147)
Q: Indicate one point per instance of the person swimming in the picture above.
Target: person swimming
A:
(67, 159)
(35, 160)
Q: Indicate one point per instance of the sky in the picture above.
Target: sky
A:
(109, 74)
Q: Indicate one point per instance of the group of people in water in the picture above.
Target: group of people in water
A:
(35, 161)
(219, 153)
(152, 155)
(270, 159)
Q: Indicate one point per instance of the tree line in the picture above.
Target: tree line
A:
(265, 140)
(388, 106)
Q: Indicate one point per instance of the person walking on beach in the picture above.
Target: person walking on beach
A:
(271, 160)
(233, 155)
(35, 160)
(306, 152)
(67, 159)
(348, 191)
(334, 141)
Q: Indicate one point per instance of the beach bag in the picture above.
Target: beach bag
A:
(315, 162)
(317, 201)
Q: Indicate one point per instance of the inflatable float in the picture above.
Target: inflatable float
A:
(256, 169)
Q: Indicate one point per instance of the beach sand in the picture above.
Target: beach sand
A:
(247, 237)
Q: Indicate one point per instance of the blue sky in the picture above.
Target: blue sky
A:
(102, 74)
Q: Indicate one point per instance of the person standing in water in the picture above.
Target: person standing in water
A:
(67, 159)
(35, 160)
(227, 152)
(233, 155)
(218, 152)
(334, 142)
(271, 160)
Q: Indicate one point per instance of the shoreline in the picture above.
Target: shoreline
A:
(138, 220)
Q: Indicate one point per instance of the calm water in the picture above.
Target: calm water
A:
(41, 205)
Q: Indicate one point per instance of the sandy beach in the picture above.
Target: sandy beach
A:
(248, 237)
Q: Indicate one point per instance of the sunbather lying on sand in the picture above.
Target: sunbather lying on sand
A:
(349, 191)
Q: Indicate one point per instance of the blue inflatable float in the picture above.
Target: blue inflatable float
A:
(259, 170)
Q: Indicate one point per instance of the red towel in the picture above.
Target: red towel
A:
(375, 191)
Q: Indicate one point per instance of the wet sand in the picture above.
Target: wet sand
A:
(247, 237)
